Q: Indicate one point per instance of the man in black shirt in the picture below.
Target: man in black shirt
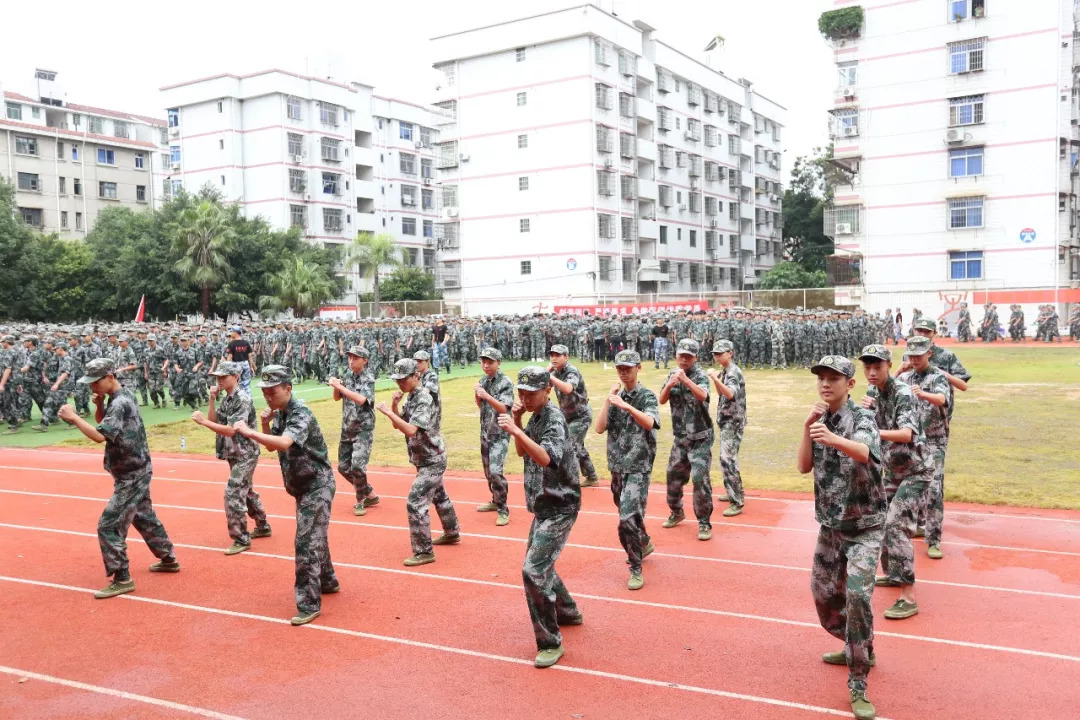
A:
(661, 346)
(239, 351)
(440, 348)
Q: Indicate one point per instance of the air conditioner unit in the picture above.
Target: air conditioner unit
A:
(297, 158)
(427, 181)
(419, 144)
(608, 163)
(774, 198)
(954, 135)
(174, 132)
(463, 157)
(449, 212)
(174, 166)
(712, 223)
(682, 207)
(850, 131)
(688, 136)
(404, 200)
(848, 92)
(843, 228)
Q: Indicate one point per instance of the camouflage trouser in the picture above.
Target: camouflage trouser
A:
(53, 402)
(130, 505)
(156, 384)
(842, 581)
(314, 569)
(32, 392)
(661, 352)
(241, 500)
(428, 489)
(129, 383)
(778, 356)
(731, 434)
(538, 345)
(353, 454)
(82, 397)
(547, 597)
(631, 494)
(493, 455)
(296, 363)
(758, 352)
(691, 458)
(9, 412)
(905, 501)
(190, 388)
(175, 387)
(932, 515)
(577, 429)
(142, 385)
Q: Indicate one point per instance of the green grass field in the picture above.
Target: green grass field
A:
(1013, 441)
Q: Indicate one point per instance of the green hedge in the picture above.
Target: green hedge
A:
(841, 24)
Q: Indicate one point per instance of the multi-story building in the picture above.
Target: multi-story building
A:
(69, 161)
(582, 159)
(955, 143)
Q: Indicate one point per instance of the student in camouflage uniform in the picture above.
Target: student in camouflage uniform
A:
(661, 343)
(494, 396)
(63, 383)
(83, 353)
(33, 382)
(631, 417)
(127, 459)
(1016, 324)
(907, 469)
(841, 445)
(127, 364)
(731, 422)
(289, 427)
(574, 402)
(427, 453)
(185, 364)
(553, 496)
(157, 372)
(429, 378)
(8, 412)
(241, 453)
(963, 324)
(778, 354)
(691, 453)
(357, 395)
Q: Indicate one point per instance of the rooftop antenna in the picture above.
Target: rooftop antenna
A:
(713, 50)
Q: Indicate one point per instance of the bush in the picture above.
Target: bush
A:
(842, 24)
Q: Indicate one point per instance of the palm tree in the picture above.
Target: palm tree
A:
(372, 252)
(204, 239)
(300, 285)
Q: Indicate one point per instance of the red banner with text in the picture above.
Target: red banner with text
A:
(632, 308)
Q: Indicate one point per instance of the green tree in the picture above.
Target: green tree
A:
(204, 238)
(371, 253)
(409, 283)
(21, 260)
(805, 200)
(789, 276)
(301, 285)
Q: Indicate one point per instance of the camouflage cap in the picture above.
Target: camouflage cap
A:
(358, 351)
(97, 369)
(875, 352)
(917, 345)
(533, 377)
(32, 339)
(421, 355)
(8, 339)
(836, 363)
(403, 369)
(491, 353)
(627, 358)
(151, 336)
(924, 323)
(274, 375)
(559, 350)
(227, 368)
(722, 346)
(124, 338)
(688, 347)
(185, 336)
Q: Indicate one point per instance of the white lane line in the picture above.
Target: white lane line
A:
(600, 598)
(449, 649)
(582, 546)
(112, 692)
(718, 521)
(653, 491)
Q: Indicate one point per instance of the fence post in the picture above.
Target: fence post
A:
(804, 298)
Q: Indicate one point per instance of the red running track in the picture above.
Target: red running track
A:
(722, 629)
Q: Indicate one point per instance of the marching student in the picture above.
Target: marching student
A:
(494, 396)
(356, 392)
(574, 402)
(731, 421)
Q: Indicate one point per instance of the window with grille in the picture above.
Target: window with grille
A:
(626, 145)
(293, 109)
(297, 181)
(296, 144)
(331, 183)
(523, 183)
(695, 271)
(665, 81)
(967, 110)
(710, 206)
(522, 99)
(627, 63)
(694, 163)
(524, 225)
(602, 52)
(846, 122)
(605, 267)
(332, 219)
(680, 159)
(522, 141)
(449, 196)
(629, 232)
(695, 202)
(665, 266)
(97, 125)
(966, 162)
(711, 173)
(710, 136)
(666, 154)
(694, 128)
(663, 116)
(526, 267)
(408, 226)
(605, 182)
(408, 195)
(603, 96)
(966, 265)
(733, 144)
(665, 195)
(407, 163)
(628, 270)
(331, 149)
(966, 56)
(606, 225)
(966, 212)
(603, 139)
(328, 114)
(733, 211)
(628, 185)
(26, 145)
(626, 104)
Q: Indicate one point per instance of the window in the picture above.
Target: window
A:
(626, 105)
(663, 234)
(298, 216)
(140, 160)
(405, 130)
(221, 143)
(328, 114)
(965, 265)
(408, 226)
(966, 212)
(605, 225)
(30, 182)
(331, 149)
(628, 187)
(693, 238)
(603, 96)
(429, 229)
(524, 225)
(220, 106)
(519, 54)
(408, 195)
(663, 118)
(297, 180)
(26, 145)
(331, 183)
(967, 110)
(846, 124)
(526, 267)
(174, 154)
(412, 256)
(604, 139)
(425, 136)
(140, 193)
(107, 190)
(120, 129)
(522, 141)
(965, 162)
(523, 183)
(163, 136)
(600, 51)
(78, 221)
(61, 186)
(76, 186)
(626, 145)
(678, 234)
(605, 182)
(628, 232)
(74, 153)
(14, 111)
(425, 167)
(292, 109)
(296, 145)
(847, 74)
(174, 117)
(177, 186)
(628, 270)
(223, 180)
(678, 123)
(407, 163)
(60, 151)
(64, 219)
(966, 56)
(32, 216)
(106, 157)
(665, 195)
(605, 267)
(963, 9)
(331, 218)
(427, 199)
(97, 125)
(522, 98)
(710, 136)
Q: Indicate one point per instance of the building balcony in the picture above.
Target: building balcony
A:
(366, 222)
(646, 69)
(647, 189)
(648, 228)
(448, 275)
(645, 109)
(646, 150)
(649, 271)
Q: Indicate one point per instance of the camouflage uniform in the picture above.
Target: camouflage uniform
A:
(731, 422)
(691, 452)
(553, 495)
(631, 451)
(242, 455)
(778, 356)
(124, 357)
(494, 442)
(357, 433)
(155, 359)
(82, 355)
(56, 398)
(127, 459)
(850, 506)
(309, 479)
(7, 396)
(578, 414)
(427, 453)
(33, 388)
(187, 378)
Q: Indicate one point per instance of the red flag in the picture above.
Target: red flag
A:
(142, 310)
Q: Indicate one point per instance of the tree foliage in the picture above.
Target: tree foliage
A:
(842, 23)
(790, 276)
(373, 252)
(300, 285)
(203, 238)
(809, 193)
(409, 283)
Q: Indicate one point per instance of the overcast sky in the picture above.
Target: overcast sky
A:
(117, 54)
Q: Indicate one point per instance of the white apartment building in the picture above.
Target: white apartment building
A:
(583, 159)
(69, 161)
(955, 128)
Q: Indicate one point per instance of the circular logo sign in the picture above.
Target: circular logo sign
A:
(1027, 235)
(571, 264)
